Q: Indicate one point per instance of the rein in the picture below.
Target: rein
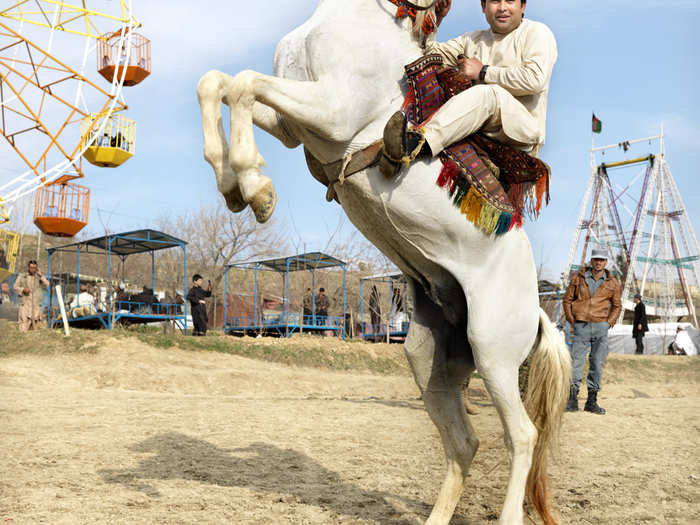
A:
(413, 6)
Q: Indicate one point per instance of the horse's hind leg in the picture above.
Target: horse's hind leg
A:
(498, 354)
(441, 360)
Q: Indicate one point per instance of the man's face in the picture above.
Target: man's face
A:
(503, 15)
(599, 264)
(198, 282)
(32, 269)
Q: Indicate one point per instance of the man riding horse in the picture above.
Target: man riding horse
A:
(510, 65)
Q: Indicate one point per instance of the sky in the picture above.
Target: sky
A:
(635, 63)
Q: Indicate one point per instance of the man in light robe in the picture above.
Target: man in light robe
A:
(510, 65)
(83, 304)
(30, 287)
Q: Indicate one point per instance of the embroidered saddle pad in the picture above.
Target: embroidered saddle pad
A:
(492, 183)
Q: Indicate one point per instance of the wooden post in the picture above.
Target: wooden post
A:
(66, 328)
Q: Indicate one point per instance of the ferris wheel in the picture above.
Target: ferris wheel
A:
(63, 68)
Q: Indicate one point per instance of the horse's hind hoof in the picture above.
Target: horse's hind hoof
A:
(264, 202)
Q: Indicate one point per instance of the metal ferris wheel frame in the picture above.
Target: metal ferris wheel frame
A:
(662, 204)
(16, 82)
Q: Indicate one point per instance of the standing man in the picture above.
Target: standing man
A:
(322, 304)
(375, 311)
(198, 305)
(640, 323)
(307, 303)
(592, 304)
(510, 65)
(30, 287)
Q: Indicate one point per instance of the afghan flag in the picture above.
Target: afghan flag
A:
(596, 124)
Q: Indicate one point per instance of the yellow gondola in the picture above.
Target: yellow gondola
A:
(9, 245)
(111, 148)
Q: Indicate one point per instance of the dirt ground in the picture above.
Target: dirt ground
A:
(136, 434)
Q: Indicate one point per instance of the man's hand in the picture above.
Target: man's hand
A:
(202, 301)
(639, 327)
(470, 67)
(26, 291)
(442, 7)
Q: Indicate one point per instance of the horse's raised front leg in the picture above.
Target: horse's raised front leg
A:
(211, 92)
(440, 359)
(311, 105)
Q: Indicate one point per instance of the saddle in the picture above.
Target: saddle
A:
(492, 184)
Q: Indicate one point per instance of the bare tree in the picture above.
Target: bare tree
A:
(216, 237)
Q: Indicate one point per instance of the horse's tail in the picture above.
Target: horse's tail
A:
(549, 380)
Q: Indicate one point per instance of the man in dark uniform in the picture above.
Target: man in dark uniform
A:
(640, 323)
(196, 297)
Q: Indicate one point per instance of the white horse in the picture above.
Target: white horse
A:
(338, 78)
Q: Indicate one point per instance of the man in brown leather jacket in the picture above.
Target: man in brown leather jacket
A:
(592, 304)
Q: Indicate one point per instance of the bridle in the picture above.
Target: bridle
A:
(411, 5)
(406, 8)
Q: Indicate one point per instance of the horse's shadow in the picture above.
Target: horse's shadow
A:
(264, 468)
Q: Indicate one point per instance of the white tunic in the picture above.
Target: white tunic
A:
(520, 67)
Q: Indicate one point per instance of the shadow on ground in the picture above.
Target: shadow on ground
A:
(264, 468)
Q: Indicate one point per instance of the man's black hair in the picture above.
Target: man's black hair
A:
(195, 277)
(321, 289)
(32, 262)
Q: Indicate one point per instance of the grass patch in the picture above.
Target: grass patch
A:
(313, 356)
(44, 341)
(309, 351)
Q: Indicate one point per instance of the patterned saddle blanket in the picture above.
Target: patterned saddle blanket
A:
(493, 184)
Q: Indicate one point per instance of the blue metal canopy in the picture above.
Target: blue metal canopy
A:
(128, 243)
(292, 263)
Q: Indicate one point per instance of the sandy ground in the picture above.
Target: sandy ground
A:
(134, 434)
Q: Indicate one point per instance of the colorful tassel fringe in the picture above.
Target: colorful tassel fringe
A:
(481, 212)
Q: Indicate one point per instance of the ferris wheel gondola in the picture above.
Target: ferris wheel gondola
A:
(54, 112)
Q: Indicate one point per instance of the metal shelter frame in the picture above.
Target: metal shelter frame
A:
(289, 322)
(376, 333)
(123, 245)
(671, 233)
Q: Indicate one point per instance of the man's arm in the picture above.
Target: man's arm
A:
(568, 300)
(532, 75)
(449, 51)
(616, 305)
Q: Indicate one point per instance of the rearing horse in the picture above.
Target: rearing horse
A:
(338, 77)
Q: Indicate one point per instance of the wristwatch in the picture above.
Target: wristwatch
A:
(482, 73)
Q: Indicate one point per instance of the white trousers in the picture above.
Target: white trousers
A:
(479, 108)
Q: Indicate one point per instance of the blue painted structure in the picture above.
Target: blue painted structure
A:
(286, 323)
(379, 333)
(131, 312)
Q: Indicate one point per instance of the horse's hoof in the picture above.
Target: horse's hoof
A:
(264, 202)
(234, 200)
